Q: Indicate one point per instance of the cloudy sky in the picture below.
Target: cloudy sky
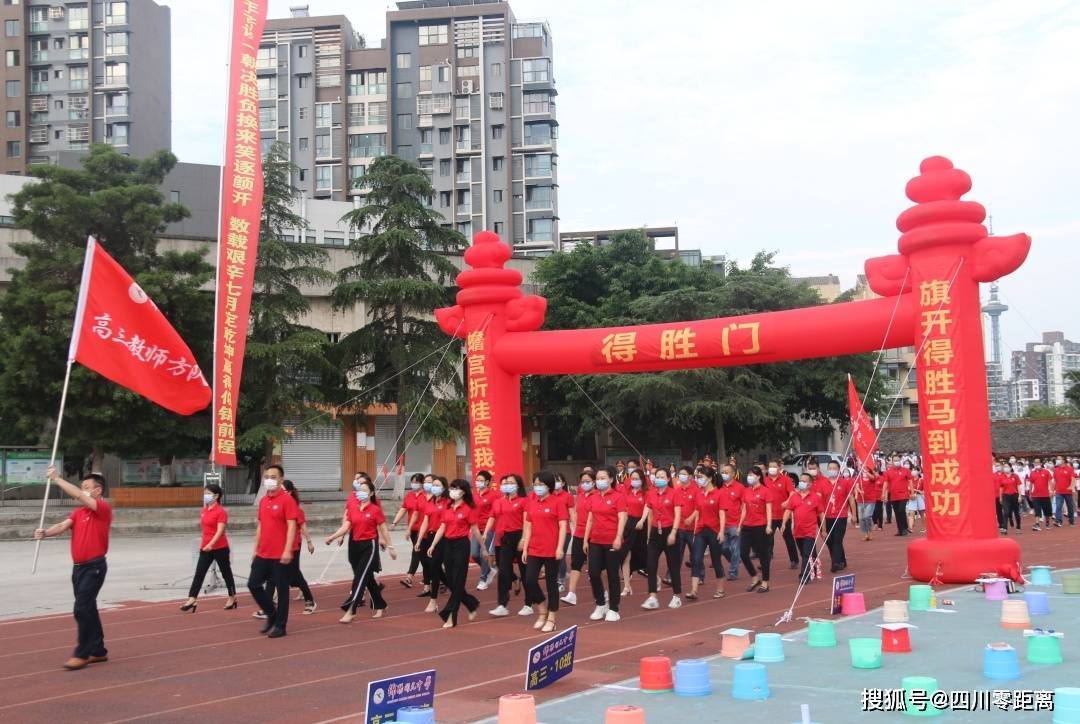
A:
(790, 126)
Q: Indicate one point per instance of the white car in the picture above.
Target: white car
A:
(796, 463)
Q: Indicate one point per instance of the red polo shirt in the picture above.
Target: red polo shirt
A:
(458, 520)
(804, 514)
(544, 517)
(509, 515)
(90, 532)
(365, 520)
(709, 505)
(1007, 483)
(300, 520)
(209, 520)
(781, 488)
(754, 501)
(635, 501)
(731, 501)
(581, 512)
(1040, 483)
(871, 490)
(1063, 477)
(433, 509)
(662, 505)
(898, 481)
(605, 509)
(688, 502)
(409, 505)
(484, 500)
(275, 511)
(837, 505)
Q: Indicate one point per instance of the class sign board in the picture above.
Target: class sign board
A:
(840, 586)
(386, 696)
(551, 660)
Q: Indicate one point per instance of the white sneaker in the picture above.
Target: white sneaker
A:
(612, 616)
(526, 611)
(651, 602)
(598, 613)
(482, 585)
(569, 599)
(499, 611)
(492, 573)
(676, 602)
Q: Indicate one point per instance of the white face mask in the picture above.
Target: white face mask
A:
(481, 483)
(270, 483)
(773, 472)
(207, 499)
(456, 493)
(558, 485)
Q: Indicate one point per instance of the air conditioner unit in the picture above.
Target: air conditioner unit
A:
(467, 86)
(56, 13)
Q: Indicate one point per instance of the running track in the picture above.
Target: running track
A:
(214, 666)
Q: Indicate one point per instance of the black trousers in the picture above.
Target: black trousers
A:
(999, 511)
(634, 545)
(577, 553)
(271, 569)
(414, 560)
(297, 580)
(899, 511)
(1011, 509)
(753, 538)
(86, 581)
(219, 556)
(806, 550)
(434, 571)
(455, 553)
(835, 530)
(658, 544)
(789, 540)
(1043, 508)
(506, 554)
(879, 508)
(603, 558)
(533, 594)
(364, 564)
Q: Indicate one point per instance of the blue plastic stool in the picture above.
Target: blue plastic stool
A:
(1040, 576)
(415, 715)
(750, 683)
(692, 678)
(1000, 662)
(1038, 603)
(768, 648)
(1067, 705)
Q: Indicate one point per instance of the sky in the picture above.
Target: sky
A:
(788, 127)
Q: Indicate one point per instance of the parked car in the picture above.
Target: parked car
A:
(796, 463)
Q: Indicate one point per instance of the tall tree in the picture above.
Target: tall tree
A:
(286, 365)
(401, 275)
(118, 200)
(1072, 378)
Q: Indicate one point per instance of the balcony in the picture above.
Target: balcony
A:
(111, 80)
(39, 56)
(894, 388)
(116, 20)
(78, 53)
(39, 26)
(39, 135)
(425, 149)
(76, 84)
(78, 24)
(463, 178)
(39, 87)
(463, 210)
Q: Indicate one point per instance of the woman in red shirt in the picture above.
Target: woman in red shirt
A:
(296, 576)
(867, 500)
(543, 541)
(432, 556)
(367, 524)
(603, 543)
(635, 488)
(408, 509)
(708, 532)
(1009, 485)
(755, 529)
(662, 514)
(214, 548)
(507, 518)
(579, 519)
(457, 528)
(803, 509)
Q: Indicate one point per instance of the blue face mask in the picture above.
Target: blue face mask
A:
(803, 486)
(427, 487)
(683, 477)
(603, 484)
(540, 490)
(660, 483)
(702, 481)
(356, 485)
(558, 485)
(362, 495)
(725, 477)
(635, 484)
(587, 486)
(207, 499)
(436, 490)
(508, 489)
(414, 486)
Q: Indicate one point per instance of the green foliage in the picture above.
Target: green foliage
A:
(1073, 393)
(626, 283)
(1046, 412)
(401, 274)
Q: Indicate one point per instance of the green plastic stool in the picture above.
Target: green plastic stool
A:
(919, 597)
(865, 653)
(919, 683)
(1044, 650)
(1070, 582)
(821, 635)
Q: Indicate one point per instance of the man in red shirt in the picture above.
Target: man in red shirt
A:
(1039, 480)
(779, 484)
(803, 510)
(898, 488)
(484, 495)
(89, 526)
(275, 534)
(731, 492)
(1064, 487)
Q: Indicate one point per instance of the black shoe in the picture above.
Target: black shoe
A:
(267, 626)
(275, 633)
(382, 586)
(834, 569)
(793, 565)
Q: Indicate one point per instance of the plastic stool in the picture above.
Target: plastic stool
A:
(415, 715)
(927, 684)
(1067, 705)
(852, 604)
(1070, 583)
(624, 715)
(895, 612)
(692, 678)
(919, 597)
(734, 642)
(1044, 649)
(1040, 576)
(655, 675)
(865, 653)
(1000, 662)
(517, 709)
(1038, 602)
(750, 682)
(821, 634)
(995, 590)
(895, 638)
(1014, 614)
(768, 648)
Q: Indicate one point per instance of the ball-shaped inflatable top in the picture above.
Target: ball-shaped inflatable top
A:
(938, 180)
(487, 251)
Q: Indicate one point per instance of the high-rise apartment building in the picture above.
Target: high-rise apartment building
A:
(76, 73)
(463, 89)
(1040, 372)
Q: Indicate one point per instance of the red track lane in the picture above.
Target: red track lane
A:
(165, 666)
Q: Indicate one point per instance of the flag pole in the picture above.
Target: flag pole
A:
(80, 310)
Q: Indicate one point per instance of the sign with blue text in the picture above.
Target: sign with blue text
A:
(840, 586)
(386, 696)
(551, 660)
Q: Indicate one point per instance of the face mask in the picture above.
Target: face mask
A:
(508, 489)
(660, 483)
(436, 490)
(630, 470)
(540, 490)
(750, 479)
(683, 478)
(1060, 462)
(427, 487)
(481, 484)
(208, 499)
(270, 483)
(1038, 466)
(587, 486)
(997, 468)
(702, 481)
(832, 473)
(456, 493)
(558, 485)
(363, 495)
(896, 463)
(356, 485)
(803, 486)
(773, 472)
(635, 484)
(1012, 460)
(414, 486)
(812, 472)
(603, 484)
(725, 477)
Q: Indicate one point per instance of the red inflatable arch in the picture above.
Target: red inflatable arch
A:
(944, 252)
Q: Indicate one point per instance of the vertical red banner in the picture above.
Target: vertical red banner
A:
(863, 439)
(241, 209)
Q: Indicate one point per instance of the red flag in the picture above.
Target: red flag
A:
(238, 235)
(400, 464)
(863, 439)
(122, 335)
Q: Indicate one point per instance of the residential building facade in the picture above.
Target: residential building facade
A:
(77, 73)
(1040, 372)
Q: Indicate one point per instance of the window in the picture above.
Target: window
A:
(497, 195)
(116, 102)
(444, 168)
(302, 144)
(13, 119)
(303, 171)
(79, 46)
(267, 87)
(174, 197)
(324, 178)
(462, 108)
(14, 149)
(58, 74)
(301, 112)
(536, 102)
(116, 12)
(444, 74)
(356, 114)
(116, 73)
(468, 51)
(267, 57)
(425, 140)
(333, 239)
(323, 147)
(117, 134)
(498, 163)
(444, 136)
(469, 71)
(496, 70)
(302, 51)
(433, 34)
(376, 114)
(404, 121)
(498, 228)
(58, 105)
(537, 134)
(529, 30)
(323, 115)
(117, 44)
(496, 132)
(265, 144)
(538, 197)
(366, 145)
(541, 230)
(403, 90)
(495, 101)
(463, 138)
(425, 75)
(39, 81)
(356, 83)
(356, 175)
(535, 70)
(464, 198)
(11, 58)
(268, 118)
(12, 28)
(303, 81)
(403, 60)
(406, 152)
(79, 17)
(538, 165)
(444, 199)
(465, 228)
(464, 170)
(376, 82)
(79, 77)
